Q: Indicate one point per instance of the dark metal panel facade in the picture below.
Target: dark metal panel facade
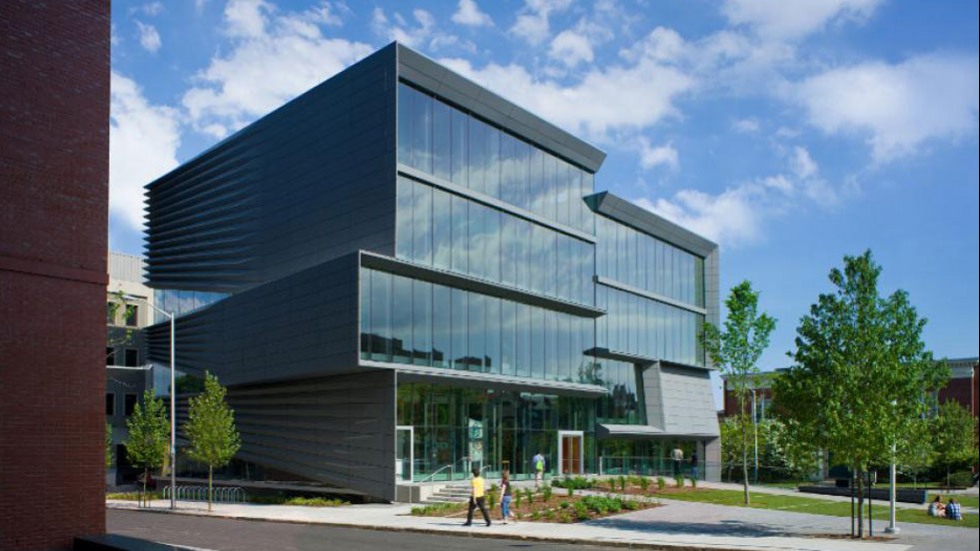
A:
(311, 181)
(303, 325)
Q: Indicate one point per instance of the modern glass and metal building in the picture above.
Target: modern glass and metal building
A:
(400, 274)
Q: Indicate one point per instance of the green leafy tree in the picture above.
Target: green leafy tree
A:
(108, 446)
(149, 436)
(735, 352)
(862, 373)
(210, 428)
(954, 436)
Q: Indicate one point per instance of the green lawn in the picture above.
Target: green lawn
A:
(817, 506)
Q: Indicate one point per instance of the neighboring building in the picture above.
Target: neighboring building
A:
(54, 172)
(399, 274)
(759, 401)
(127, 372)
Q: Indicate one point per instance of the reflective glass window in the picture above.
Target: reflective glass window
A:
(442, 326)
(380, 314)
(422, 322)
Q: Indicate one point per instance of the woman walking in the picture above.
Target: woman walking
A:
(505, 493)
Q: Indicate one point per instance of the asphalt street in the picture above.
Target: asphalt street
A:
(244, 535)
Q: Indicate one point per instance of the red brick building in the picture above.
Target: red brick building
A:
(54, 164)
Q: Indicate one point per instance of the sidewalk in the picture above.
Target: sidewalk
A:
(674, 526)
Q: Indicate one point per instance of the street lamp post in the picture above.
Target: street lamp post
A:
(173, 406)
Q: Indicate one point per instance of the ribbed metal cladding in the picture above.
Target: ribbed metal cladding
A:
(336, 430)
(201, 227)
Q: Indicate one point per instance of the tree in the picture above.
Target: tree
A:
(862, 373)
(149, 436)
(214, 440)
(736, 351)
(953, 436)
(108, 446)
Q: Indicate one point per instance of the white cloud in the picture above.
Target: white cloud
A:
(149, 37)
(802, 164)
(273, 57)
(731, 218)
(571, 48)
(150, 9)
(782, 20)
(644, 92)
(746, 126)
(143, 141)
(899, 107)
(422, 33)
(533, 23)
(468, 13)
(651, 157)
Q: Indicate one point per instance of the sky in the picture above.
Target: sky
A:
(790, 133)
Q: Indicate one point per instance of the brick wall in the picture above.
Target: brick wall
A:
(54, 114)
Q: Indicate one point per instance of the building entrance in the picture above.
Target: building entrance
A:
(570, 452)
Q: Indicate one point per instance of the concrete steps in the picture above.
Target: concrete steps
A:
(451, 493)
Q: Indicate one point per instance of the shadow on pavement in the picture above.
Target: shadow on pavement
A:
(724, 528)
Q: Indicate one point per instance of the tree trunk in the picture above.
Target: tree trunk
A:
(745, 463)
(860, 519)
(210, 474)
(143, 503)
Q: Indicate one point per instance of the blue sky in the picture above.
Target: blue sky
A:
(791, 133)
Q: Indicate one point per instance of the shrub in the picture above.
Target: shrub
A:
(546, 493)
(631, 505)
(661, 483)
(581, 511)
(679, 481)
(644, 483)
(963, 479)
(517, 499)
(571, 491)
(564, 505)
(622, 483)
(529, 495)
(492, 497)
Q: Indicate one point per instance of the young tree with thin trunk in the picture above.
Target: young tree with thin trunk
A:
(861, 381)
(735, 352)
(210, 428)
(954, 436)
(149, 436)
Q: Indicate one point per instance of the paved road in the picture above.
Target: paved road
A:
(245, 535)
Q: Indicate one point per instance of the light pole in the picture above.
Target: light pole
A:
(173, 406)
(892, 527)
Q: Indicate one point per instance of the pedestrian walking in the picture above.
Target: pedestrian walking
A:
(678, 457)
(538, 463)
(505, 497)
(694, 465)
(477, 498)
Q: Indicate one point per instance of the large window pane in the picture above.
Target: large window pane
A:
(460, 329)
(442, 326)
(441, 230)
(422, 225)
(422, 132)
(492, 328)
(460, 149)
(365, 312)
(477, 331)
(442, 140)
(477, 155)
(381, 316)
(401, 320)
(508, 337)
(403, 219)
(460, 234)
(422, 322)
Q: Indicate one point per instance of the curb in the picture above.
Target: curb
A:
(470, 534)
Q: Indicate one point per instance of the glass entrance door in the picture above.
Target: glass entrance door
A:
(404, 453)
(570, 452)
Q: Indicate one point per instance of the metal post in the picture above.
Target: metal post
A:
(755, 429)
(173, 418)
(892, 527)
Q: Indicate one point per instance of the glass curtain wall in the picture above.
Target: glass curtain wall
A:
(624, 404)
(459, 428)
(182, 302)
(645, 262)
(410, 321)
(638, 325)
(456, 146)
(442, 230)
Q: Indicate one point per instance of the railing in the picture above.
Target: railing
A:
(646, 466)
(220, 494)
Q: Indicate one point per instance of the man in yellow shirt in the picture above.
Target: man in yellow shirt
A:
(477, 498)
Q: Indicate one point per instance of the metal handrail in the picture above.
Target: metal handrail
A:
(450, 466)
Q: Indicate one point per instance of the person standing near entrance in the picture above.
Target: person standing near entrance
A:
(477, 498)
(538, 463)
(678, 457)
(694, 465)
